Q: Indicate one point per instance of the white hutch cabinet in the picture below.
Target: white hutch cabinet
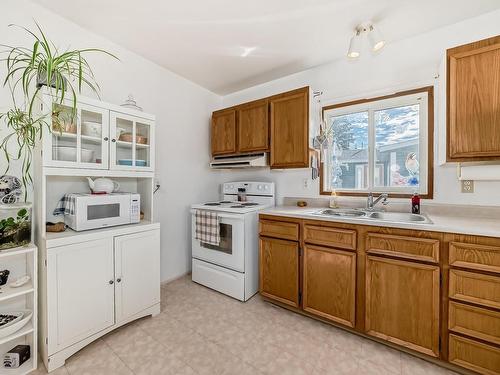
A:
(94, 281)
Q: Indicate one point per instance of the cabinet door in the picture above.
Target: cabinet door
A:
(279, 270)
(253, 127)
(132, 143)
(473, 105)
(137, 272)
(223, 135)
(402, 303)
(290, 129)
(330, 283)
(79, 140)
(80, 292)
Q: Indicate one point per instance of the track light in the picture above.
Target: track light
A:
(355, 45)
(375, 38)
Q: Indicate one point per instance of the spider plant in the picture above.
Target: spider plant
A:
(28, 70)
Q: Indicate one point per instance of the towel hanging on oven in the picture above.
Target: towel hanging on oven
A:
(207, 227)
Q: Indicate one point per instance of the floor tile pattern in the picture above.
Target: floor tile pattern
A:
(203, 332)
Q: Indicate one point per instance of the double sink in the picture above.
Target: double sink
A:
(395, 217)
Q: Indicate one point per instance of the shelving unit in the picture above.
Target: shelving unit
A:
(20, 261)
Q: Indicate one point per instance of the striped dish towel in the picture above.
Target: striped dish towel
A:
(207, 227)
(66, 206)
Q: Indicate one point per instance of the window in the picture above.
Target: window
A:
(380, 145)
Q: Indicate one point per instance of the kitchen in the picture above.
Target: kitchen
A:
(200, 330)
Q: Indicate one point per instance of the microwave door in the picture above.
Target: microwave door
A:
(100, 213)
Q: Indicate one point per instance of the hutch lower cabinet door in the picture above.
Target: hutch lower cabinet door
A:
(137, 273)
(329, 283)
(402, 303)
(80, 293)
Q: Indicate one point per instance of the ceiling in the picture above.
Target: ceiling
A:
(205, 40)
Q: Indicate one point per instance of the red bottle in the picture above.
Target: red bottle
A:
(415, 203)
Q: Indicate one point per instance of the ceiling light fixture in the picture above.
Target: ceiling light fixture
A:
(375, 38)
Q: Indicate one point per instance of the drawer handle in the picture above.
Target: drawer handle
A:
(106, 138)
(111, 282)
(118, 280)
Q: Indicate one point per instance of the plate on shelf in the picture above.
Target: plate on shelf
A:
(91, 129)
(13, 321)
(138, 163)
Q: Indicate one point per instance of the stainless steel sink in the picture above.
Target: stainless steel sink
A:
(342, 212)
(400, 217)
(395, 217)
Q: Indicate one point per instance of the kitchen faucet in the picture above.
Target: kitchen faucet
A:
(370, 203)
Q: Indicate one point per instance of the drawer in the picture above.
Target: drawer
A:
(476, 356)
(475, 321)
(329, 236)
(403, 246)
(279, 229)
(474, 287)
(478, 257)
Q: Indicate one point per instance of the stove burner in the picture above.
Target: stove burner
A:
(212, 204)
(222, 202)
(237, 206)
(250, 204)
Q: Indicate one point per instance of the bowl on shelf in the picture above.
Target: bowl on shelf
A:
(127, 137)
(138, 163)
(91, 129)
(13, 321)
(67, 153)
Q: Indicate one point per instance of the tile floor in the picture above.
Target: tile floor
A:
(200, 331)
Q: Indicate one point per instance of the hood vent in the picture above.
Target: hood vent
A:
(240, 161)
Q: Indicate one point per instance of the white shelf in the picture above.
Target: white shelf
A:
(91, 139)
(124, 144)
(27, 329)
(7, 292)
(17, 250)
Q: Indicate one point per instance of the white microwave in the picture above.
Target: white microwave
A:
(91, 211)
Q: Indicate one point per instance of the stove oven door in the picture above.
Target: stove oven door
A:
(230, 252)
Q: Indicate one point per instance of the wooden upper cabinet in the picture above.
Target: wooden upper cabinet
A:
(330, 284)
(473, 108)
(223, 135)
(253, 126)
(279, 270)
(289, 113)
(402, 303)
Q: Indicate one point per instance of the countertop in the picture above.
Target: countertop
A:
(443, 220)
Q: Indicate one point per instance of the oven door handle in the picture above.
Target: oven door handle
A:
(225, 216)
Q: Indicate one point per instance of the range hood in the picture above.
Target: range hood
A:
(239, 161)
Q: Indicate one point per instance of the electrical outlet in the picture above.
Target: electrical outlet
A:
(467, 186)
(305, 183)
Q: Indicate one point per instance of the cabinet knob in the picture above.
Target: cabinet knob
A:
(113, 140)
(106, 138)
(111, 282)
(118, 280)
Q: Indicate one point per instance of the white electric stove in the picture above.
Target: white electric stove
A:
(232, 267)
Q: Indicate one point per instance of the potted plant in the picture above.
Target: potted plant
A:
(28, 70)
(15, 225)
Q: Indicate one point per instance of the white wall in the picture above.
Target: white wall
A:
(401, 65)
(182, 110)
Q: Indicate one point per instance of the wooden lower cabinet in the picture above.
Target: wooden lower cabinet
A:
(402, 303)
(329, 284)
(279, 270)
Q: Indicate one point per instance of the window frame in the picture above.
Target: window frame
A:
(363, 104)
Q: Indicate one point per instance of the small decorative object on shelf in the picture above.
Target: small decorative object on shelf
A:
(55, 227)
(15, 225)
(13, 321)
(16, 356)
(10, 189)
(131, 103)
(20, 281)
(4, 276)
(302, 203)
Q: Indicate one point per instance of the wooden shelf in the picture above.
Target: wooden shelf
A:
(27, 329)
(6, 292)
